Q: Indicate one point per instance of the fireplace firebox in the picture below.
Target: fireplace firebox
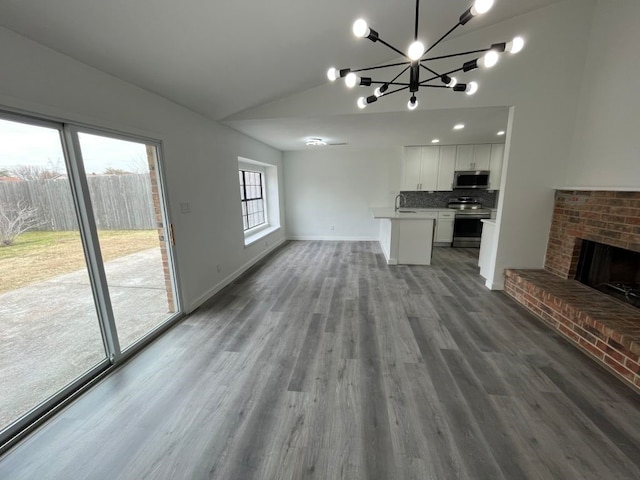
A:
(611, 270)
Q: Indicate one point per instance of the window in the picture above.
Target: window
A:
(252, 198)
(260, 199)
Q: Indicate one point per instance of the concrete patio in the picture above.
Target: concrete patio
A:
(49, 332)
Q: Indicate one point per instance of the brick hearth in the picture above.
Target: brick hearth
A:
(605, 328)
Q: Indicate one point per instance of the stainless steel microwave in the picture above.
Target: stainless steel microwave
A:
(463, 179)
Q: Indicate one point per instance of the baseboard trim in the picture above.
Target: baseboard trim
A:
(332, 239)
(231, 277)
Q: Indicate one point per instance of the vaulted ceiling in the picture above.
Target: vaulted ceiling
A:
(222, 57)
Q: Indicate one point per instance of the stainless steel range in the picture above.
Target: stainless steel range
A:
(467, 226)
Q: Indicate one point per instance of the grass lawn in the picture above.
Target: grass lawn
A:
(38, 256)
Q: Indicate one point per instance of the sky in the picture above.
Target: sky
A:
(22, 144)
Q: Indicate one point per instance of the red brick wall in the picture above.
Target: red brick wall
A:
(612, 218)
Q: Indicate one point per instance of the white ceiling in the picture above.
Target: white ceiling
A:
(225, 56)
(379, 130)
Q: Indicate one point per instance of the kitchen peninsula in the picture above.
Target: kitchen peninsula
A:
(406, 235)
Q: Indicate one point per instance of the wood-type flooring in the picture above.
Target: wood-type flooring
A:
(325, 363)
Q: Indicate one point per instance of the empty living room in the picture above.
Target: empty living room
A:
(281, 240)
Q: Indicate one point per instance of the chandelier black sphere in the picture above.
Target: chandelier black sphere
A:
(417, 60)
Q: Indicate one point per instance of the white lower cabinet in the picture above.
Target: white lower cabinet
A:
(415, 241)
(444, 228)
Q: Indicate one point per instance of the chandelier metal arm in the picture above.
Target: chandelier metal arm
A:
(415, 35)
(424, 82)
(398, 76)
(381, 66)
(404, 84)
(430, 71)
(393, 48)
(469, 52)
(394, 91)
(442, 38)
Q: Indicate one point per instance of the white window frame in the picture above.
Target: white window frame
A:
(269, 197)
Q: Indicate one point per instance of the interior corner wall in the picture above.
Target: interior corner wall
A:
(605, 149)
(329, 191)
(200, 156)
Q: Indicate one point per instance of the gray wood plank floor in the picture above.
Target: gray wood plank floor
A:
(325, 363)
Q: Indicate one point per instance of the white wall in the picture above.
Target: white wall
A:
(606, 149)
(337, 186)
(200, 156)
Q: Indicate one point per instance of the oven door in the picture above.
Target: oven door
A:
(467, 231)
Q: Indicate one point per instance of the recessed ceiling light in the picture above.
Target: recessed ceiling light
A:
(459, 126)
(435, 140)
(315, 142)
(501, 132)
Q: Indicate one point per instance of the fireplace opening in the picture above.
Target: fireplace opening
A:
(612, 270)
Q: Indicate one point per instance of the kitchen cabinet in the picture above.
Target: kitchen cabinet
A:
(485, 258)
(495, 166)
(464, 157)
(444, 228)
(415, 241)
(420, 168)
(406, 238)
(446, 167)
(473, 157)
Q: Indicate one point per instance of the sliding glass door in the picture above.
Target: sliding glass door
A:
(86, 268)
(125, 195)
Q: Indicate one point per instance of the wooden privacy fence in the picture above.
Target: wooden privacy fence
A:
(120, 202)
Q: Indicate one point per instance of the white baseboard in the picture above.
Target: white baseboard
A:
(333, 239)
(491, 285)
(231, 277)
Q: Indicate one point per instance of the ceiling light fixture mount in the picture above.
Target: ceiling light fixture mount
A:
(315, 142)
(417, 61)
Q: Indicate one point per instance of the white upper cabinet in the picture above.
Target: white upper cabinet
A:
(481, 157)
(430, 160)
(495, 167)
(464, 157)
(411, 168)
(473, 157)
(446, 167)
(420, 168)
(431, 168)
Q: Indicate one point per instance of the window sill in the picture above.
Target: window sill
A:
(253, 237)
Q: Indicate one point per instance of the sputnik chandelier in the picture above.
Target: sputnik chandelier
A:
(418, 61)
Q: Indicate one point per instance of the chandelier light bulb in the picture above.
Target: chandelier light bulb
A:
(472, 88)
(489, 59)
(362, 102)
(515, 45)
(413, 103)
(481, 6)
(377, 92)
(360, 28)
(332, 74)
(350, 80)
(416, 50)
(453, 82)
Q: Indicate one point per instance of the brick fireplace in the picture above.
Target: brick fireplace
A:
(604, 327)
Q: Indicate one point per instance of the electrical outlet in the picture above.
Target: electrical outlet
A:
(332, 228)
(218, 268)
(185, 207)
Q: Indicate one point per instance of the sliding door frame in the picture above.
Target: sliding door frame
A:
(70, 142)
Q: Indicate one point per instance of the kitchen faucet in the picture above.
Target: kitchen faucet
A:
(400, 204)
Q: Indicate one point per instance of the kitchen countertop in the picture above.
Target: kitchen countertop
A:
(491, 221)
(406, 213)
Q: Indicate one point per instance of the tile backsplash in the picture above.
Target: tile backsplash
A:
(488, 198)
